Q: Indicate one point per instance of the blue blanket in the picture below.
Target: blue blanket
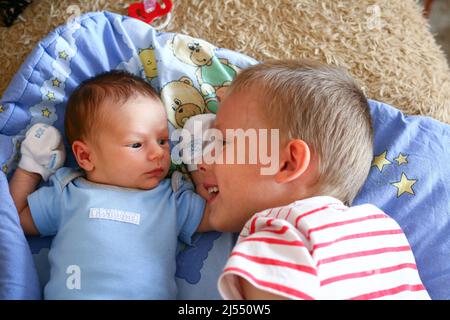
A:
(409, 178)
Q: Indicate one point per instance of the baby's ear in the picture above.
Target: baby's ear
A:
(294, 160)
(83, 155)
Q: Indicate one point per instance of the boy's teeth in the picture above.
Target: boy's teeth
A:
(213, 189)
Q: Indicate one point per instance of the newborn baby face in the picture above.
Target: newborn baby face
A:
(132, 148)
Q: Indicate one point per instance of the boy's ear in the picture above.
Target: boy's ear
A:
(295, 159)
(83, 155)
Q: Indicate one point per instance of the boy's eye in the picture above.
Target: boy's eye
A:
(220, 142)
(163, 142)
(136, 145)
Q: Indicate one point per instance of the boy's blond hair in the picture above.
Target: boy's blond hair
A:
(323, 106)
(84, 111)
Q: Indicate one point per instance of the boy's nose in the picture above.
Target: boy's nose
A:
(203, 167)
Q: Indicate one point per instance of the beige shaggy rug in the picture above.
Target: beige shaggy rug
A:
(385, 44)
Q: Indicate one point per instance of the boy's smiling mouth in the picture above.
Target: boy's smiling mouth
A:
(213, 191)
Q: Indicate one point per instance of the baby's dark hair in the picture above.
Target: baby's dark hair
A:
(85, 106)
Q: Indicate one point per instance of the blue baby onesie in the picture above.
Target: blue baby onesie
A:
(112, 242)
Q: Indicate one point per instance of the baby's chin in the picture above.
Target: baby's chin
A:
(149, 185)
(146, 184)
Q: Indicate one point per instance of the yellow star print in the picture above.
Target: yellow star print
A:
(50, 95)
(1, 108)
(404, 185)
(46, 113)
(401, 159)
(380, 161)
(56, 82)
(5, 169)
(63, 55)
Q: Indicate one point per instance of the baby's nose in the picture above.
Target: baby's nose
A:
(156, 153)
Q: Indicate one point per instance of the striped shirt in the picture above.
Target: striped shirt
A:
(318, 248)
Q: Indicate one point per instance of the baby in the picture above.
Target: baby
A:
(298, 237)
(116, 221)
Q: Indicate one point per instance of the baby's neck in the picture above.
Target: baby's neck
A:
(106, 184)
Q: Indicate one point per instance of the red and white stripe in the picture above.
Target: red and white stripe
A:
(320, 249)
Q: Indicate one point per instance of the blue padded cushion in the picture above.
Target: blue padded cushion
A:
(18, 277)
(409, 180)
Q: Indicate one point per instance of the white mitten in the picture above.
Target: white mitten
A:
(176, 180)
(193, 149)
(42, 150)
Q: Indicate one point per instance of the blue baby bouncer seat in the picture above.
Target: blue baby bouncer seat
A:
(409, 177)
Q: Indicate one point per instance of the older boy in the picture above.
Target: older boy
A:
(298, 238)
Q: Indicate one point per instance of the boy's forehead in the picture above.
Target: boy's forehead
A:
(238, 110)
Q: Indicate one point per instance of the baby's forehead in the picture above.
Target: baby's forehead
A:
(123, 104)
(113, 110)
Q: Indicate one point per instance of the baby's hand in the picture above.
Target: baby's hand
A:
(42, 150)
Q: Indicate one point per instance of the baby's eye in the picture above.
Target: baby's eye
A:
(136, 145)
